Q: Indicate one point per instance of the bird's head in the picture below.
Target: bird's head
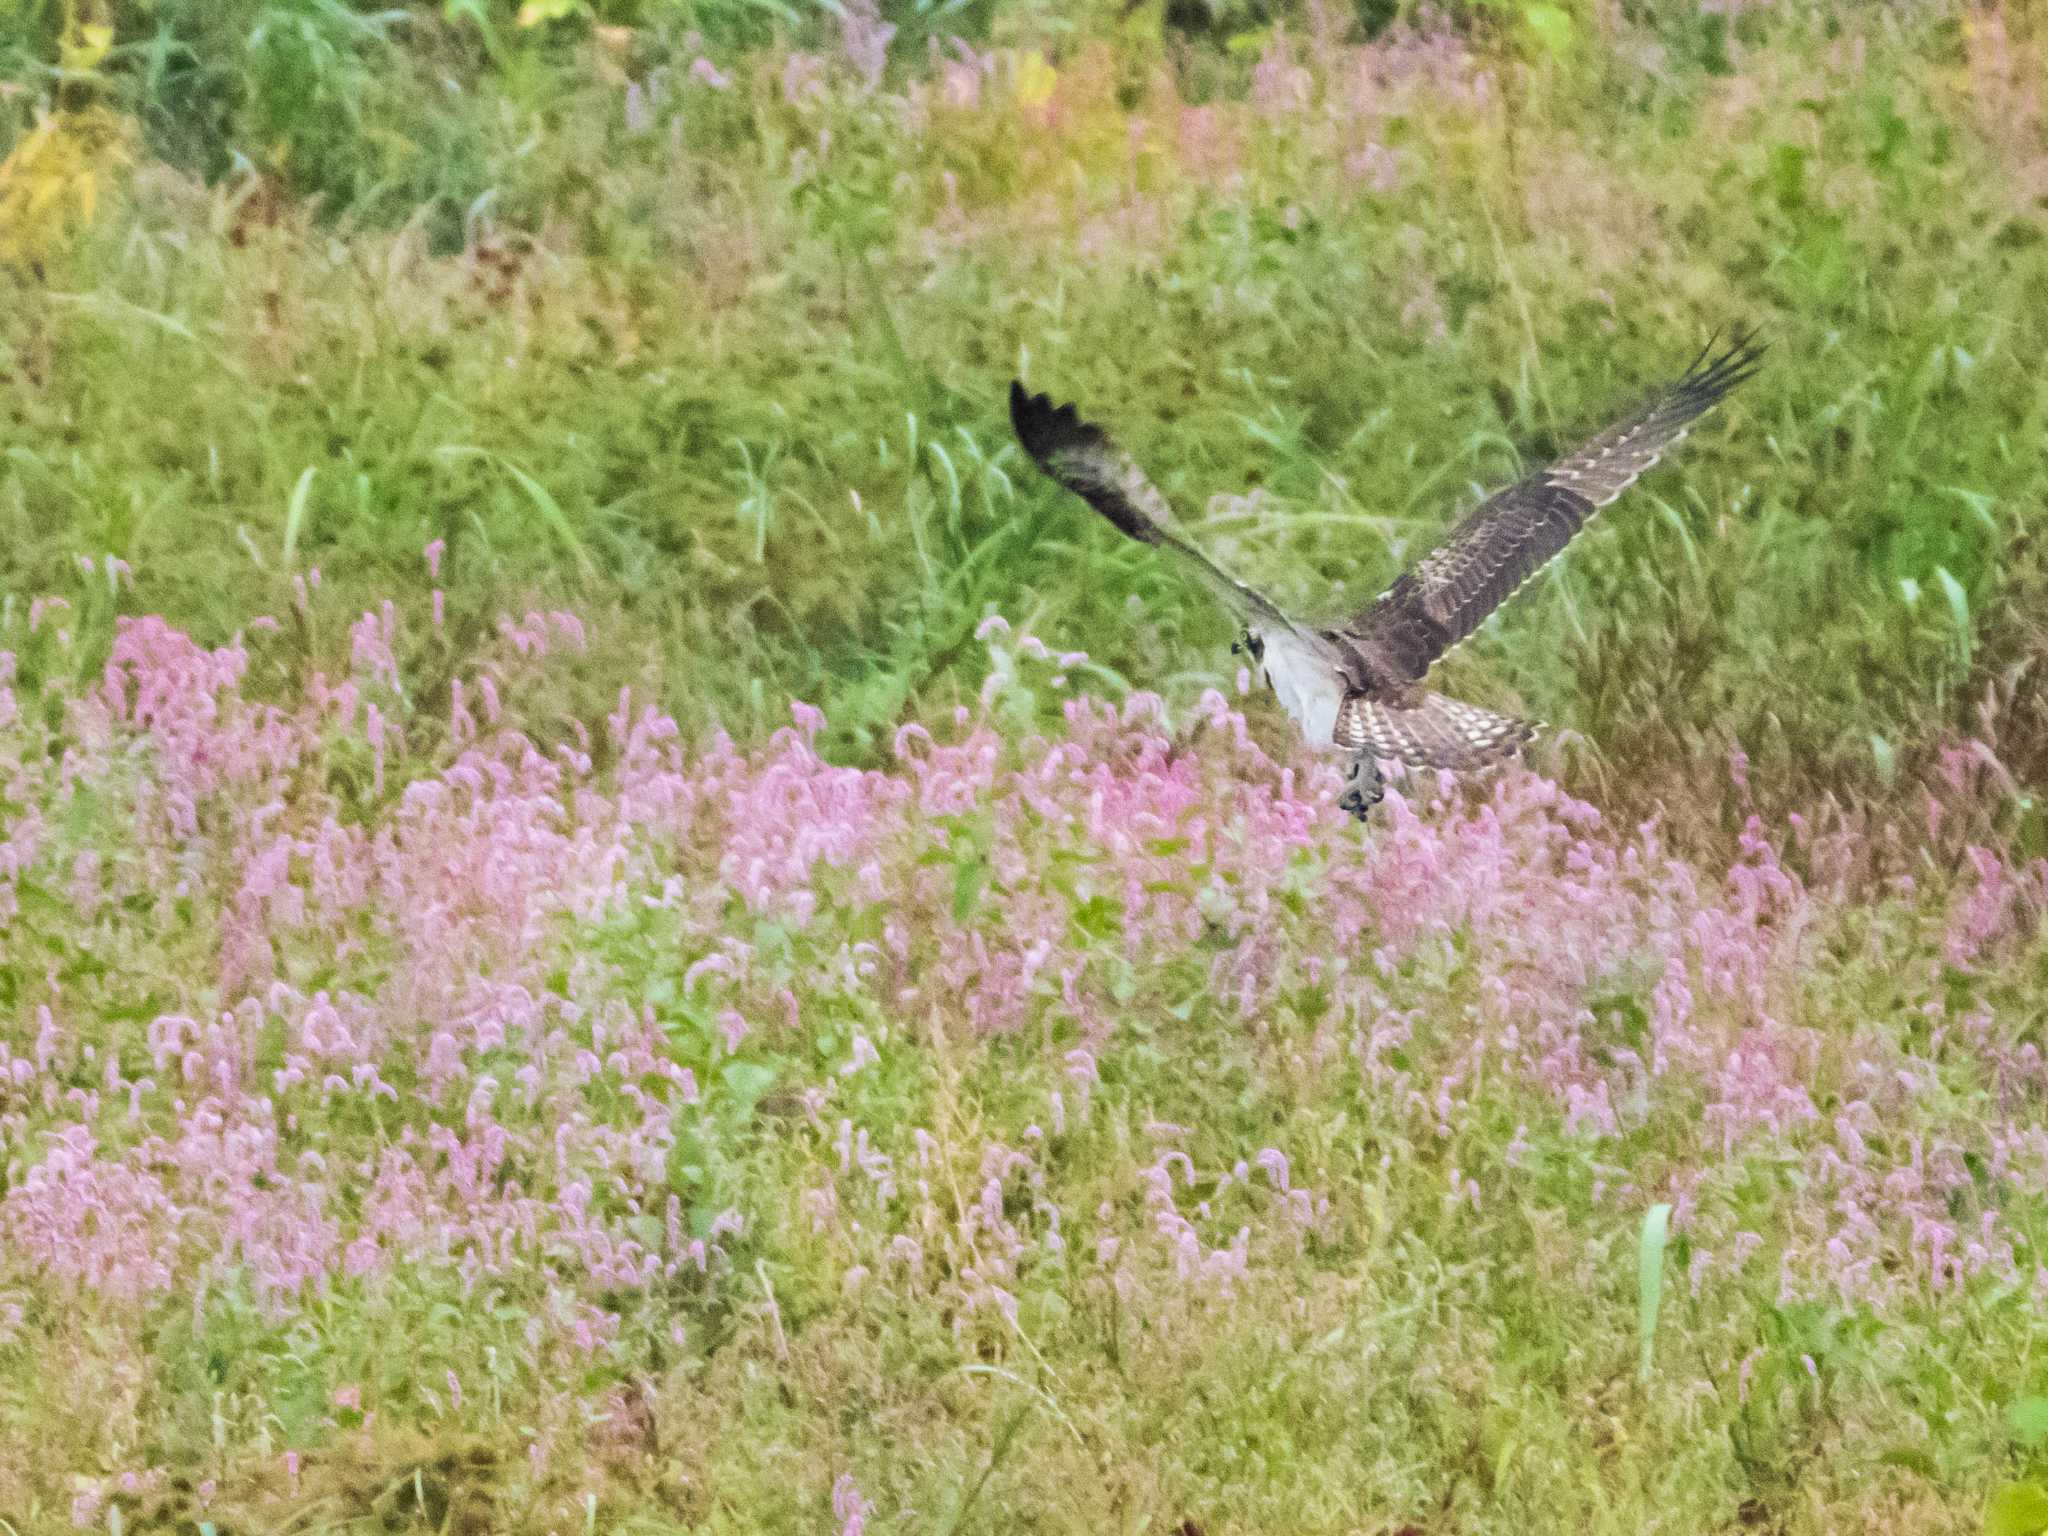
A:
(1251, 643)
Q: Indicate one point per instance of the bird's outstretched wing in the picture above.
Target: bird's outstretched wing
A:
(1517, 531)
(1433, 731)
(1086, 460)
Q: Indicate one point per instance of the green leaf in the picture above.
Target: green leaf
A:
(689, 1030)
(1650, 1280)
(2028, 1417)
(1552, 25)
(1787, 177)
(746, 1083)
(2017, 1509)
(1098, 918)
(969, 876)
(688, 1161)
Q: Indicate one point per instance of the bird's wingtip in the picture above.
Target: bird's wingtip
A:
(1043, 427)
(1719, 368)
(1028, 415)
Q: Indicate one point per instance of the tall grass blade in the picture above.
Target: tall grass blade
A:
(1959, 611)
(295, 514)
(1006, 1435)
(543, 500)
(552, 514)
(1650, 1282)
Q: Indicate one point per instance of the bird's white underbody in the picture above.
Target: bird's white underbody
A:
(1308, 687)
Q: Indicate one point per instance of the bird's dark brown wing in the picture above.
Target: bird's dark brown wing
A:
(1430, 731)
(1086, 460)
(1517, 531)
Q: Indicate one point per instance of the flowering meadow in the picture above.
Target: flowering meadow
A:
(1079, 1126)
(614, 919)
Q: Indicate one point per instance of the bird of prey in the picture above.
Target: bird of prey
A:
(1357, 688)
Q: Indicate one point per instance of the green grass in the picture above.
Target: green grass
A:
(729, 382)
(750, 397)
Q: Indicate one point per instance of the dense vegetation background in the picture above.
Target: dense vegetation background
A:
(1007, 1099)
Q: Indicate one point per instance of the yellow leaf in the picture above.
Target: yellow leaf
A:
(51, 182)
(1035, 80)
(84, 46)
(2018, 1509)
(29, 148)
(42, 193)
(536, 12)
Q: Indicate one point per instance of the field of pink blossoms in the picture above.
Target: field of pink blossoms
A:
(637, 1133)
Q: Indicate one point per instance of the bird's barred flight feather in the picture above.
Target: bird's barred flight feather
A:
(1517, 531)
(1435, 731)
(1356, 687)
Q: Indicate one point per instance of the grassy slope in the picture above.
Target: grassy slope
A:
(728, 382)
(706, 341)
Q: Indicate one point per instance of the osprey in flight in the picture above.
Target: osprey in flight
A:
(1357, 688)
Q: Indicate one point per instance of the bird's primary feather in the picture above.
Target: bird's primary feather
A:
(1086, 460)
